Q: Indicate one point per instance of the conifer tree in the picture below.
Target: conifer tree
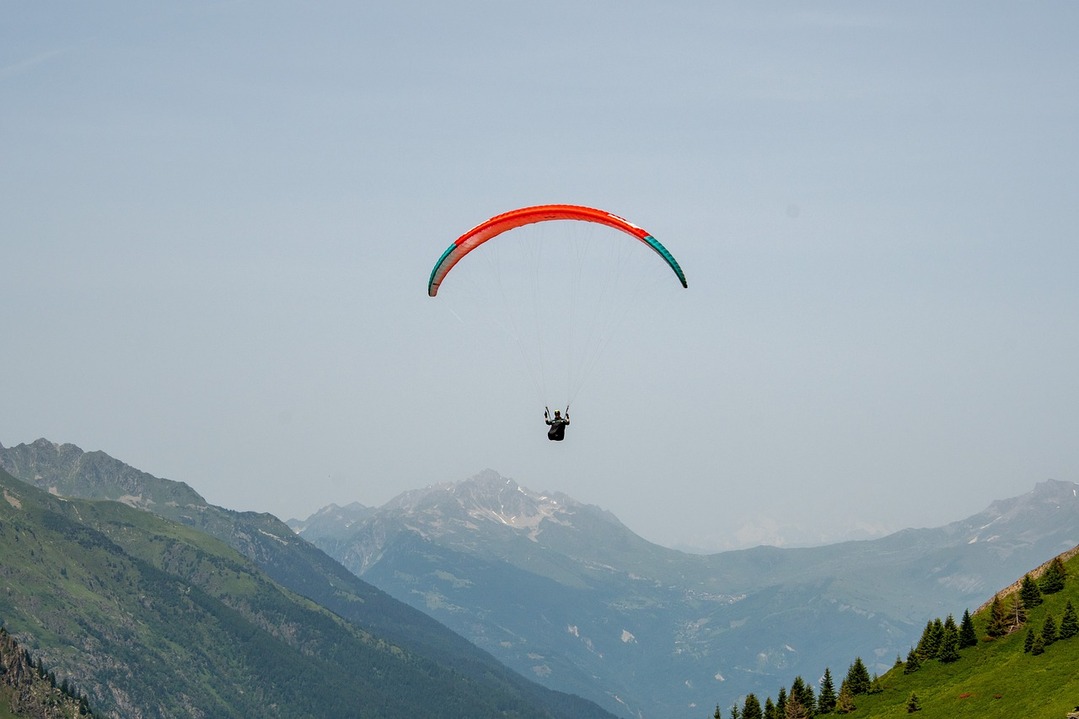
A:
(1052, 580)
(858, 680)
(925, 639)
(1029, 592)
(998, 618)
(967, 636)
(913, 705)
(1028, 641)
(751, 708)
(826, 699)
(795, 709)
(926, 643)
(949, 643)
(844, 703)
(718, 714)
(1069, 623)
(735, 714)
(937, 636)
(781, 703)
(1049, 630)
(803, 693)
(914, 662)
(1017, 617)
(929, 644)
(769, 709)
(1037, 646)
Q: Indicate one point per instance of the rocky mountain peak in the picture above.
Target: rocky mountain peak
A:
(330, 519)
(67, 470)
(1055, 489)
(487, 497)
(1051, 494)
(1027, 518)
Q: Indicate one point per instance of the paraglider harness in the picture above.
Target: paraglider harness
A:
(557, 431)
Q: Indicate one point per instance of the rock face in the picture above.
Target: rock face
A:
(27, 692)
(565, 593)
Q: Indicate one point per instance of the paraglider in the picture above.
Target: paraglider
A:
(557, 424)
(540, 213)
(568, 310)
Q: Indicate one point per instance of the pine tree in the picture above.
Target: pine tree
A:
(858, 680)
(751, 708)
(718, 714)
(1029, 592)
(803, 693)
(781, 703)
(1069, 623)
(735, 714)
(914, 662)
(938, 636)
(1049, 630)
(925, 641)
(913, 705)
(949, 642)
(967, 636)
(769, 709)
(1052, 580)
(844, 703)
(795, 709)
(998, 618)
(1037, 646)
(929, 644)
(1017, 617)
(826, 699)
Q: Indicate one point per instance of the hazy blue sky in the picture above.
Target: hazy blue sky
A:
(217, 220)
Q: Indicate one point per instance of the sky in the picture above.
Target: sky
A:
(217, 221)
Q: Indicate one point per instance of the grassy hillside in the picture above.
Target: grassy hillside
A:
(149, 617)
(995, 678)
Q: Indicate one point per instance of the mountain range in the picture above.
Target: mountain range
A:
(564, 592)
(156, 604)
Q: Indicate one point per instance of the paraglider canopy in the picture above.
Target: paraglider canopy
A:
(540, 213)
(558, 282)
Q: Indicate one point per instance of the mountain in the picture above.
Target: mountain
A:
(155, 619)
(564, 592)
(291, 563)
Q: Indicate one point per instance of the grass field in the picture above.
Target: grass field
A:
(994, 679)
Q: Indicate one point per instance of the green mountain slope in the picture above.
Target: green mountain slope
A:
(154, 619)
(995, 678)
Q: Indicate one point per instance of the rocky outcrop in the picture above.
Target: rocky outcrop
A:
(29, 690)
